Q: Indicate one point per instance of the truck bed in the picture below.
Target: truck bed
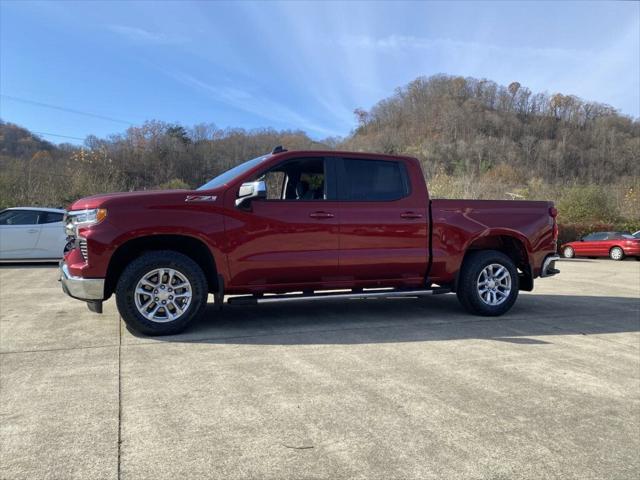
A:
(461, 225)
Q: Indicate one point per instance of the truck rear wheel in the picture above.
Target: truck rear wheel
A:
(488, 283)
(161, 292)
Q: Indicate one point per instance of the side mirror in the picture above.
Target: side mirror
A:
(251, 191)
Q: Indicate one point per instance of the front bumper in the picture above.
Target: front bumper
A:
(87, 289)
(549, 266)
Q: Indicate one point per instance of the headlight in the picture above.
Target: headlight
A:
(83, 218)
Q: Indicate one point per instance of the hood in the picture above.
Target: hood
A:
(139, 199)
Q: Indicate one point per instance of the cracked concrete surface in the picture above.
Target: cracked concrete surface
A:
(404, 388)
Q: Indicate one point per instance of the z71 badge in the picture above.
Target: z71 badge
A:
(200, 198)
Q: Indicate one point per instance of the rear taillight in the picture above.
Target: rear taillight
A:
(553, 213)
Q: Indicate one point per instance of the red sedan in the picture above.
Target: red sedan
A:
(615, 245)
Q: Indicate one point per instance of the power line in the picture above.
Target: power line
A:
(64, 109)
(57, 135)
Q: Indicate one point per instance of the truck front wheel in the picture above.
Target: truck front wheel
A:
(161, 292)
(488, 283)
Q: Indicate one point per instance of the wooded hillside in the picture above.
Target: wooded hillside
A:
(459, 126)
(475, 139)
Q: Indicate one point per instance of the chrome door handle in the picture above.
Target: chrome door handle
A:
(410, 215)
(321, 215)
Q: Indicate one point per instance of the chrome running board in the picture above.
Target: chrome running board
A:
(312, 297)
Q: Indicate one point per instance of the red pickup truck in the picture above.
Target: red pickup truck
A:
(303, 226)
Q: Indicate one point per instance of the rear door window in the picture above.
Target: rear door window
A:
(51, 217)
(619, 235)
(373, 180)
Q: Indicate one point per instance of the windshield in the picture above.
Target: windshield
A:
(229, 175)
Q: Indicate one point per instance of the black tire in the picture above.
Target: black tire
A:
(568, 252)
(70, 245)
(150, 261)
(616, 253)
(467, 287)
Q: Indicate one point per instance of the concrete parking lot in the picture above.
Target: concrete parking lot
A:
(405, 388)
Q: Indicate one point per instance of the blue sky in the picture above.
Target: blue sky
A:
(294, 64)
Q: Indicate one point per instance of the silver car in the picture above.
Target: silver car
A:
(32, 234)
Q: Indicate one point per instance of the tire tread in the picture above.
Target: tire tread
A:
(149, 261)
(466, 290)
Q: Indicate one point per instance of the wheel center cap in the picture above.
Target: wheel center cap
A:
(491, 284)
(163, 295)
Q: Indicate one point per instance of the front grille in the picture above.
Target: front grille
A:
(83, 249)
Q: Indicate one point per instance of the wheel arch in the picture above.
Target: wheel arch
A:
(193, 247)
(512, 244)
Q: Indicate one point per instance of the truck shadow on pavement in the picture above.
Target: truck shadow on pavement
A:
(53, 265)
(411, 320)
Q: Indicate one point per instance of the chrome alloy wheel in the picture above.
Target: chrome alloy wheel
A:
(616, 253)
(494, 284)
(163, 295)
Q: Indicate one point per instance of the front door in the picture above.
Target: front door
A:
(591, 244)
(19, 232)
(289, 240)
(383, 222)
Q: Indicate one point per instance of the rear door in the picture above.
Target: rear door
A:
(290, 239)
(383, 221)
(19, 232)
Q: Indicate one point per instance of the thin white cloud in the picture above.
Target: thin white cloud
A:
(140, 35)
(296, 44)
(616, 70)
(394, 43)
(607, 73)
(254, 104)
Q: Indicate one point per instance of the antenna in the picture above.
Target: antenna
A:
(278, 149)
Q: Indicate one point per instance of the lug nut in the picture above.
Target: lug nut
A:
(155, 291)
(170, 289)
(170, 297)
(164, 302)
(162, 287)
(156, 299)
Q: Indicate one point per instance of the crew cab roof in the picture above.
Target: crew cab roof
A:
(340, 153)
